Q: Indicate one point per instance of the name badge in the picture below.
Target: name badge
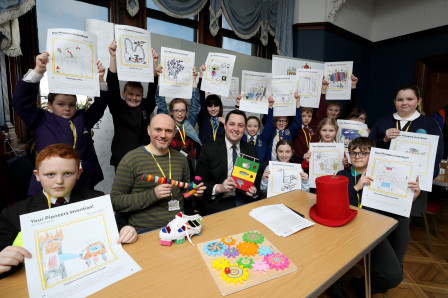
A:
(173, 205)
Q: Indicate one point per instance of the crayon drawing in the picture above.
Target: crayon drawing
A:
(281, 94)
(421, 151)
(349, 134)
(337, 78)
(256, 90)
(308, 85)
(72, 58)
(390, 177)
(325, 162)
(134, 51)
(218, 71)
(177, 71)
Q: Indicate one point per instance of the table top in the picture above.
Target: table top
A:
(322, 255)
(442, 179)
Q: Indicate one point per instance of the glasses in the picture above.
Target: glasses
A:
(360, 118)
(282, 121)
(362, 154)
(179, 111)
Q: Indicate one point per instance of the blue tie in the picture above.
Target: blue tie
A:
(280, 135)
(251, 140)
(215, 123)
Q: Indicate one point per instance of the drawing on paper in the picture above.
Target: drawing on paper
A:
(325, 163)
(282, 95)
(420, 150)
(176, 71)
(349, 134)
(72, 58)
(308, 85)
(391, 177)
(283, 180)
(218, 70)
(289, 180)
(337, 78)
(256, 90)
(292, 70)
(93, 252)
(135, 51)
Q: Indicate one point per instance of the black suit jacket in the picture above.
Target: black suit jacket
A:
(212, 168)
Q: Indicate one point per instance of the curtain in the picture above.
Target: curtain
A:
(249, 17)
(180, 8)
(10, 10)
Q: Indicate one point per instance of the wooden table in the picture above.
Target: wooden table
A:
(442, 179)
(322, 255)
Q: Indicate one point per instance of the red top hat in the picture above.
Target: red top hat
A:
(332, 206)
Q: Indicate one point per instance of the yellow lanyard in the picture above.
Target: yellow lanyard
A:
(255, 140)
(74, 133)
(357, 194)
(49, 202)
(160, 168)
(306, 139)
(406, 128)
(182, 136)
(214, 132)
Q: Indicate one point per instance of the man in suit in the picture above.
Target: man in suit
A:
(57, 169)
(215, 166)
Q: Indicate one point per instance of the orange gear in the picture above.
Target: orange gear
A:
(228, 240)
(247, 248)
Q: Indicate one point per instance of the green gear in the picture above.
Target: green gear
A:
(253, 237)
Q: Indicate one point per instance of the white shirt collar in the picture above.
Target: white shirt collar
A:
(229, 145)
(410, 118)
(53, 199)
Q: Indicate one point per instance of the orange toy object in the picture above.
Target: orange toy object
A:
(247, 248)
(228, 240)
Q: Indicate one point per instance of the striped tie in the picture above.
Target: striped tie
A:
(215, 123)
(60, 201)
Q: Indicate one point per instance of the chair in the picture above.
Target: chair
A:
(432, 209)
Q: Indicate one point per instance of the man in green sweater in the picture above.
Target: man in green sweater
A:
(150, 205)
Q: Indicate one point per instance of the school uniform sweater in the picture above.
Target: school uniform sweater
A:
(204, 122)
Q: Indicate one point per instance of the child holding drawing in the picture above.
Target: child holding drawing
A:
(210, 119)
(285, 153)
(64, 124)
(131, 116)
(57, 169)
(387, 257)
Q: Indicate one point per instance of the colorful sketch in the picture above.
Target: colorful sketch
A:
(325, 162)
(349, 134)
(256, 90)
(337, 78)
(218, 70)
(66, 252)
(72, 58)
(308, 85)
(134, 51)
(390, 177)
(177, 70)
(421, 151)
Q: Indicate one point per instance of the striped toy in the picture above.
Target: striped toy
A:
(192, 187)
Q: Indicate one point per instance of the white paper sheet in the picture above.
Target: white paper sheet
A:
(217, 76)
(72, 63)
(309, 83)
(282, 90)
(338, 75)
(282, 65)
(230, 100)
(284, 177)
(424, 148)
(74, 249)
(104, 32)
(255, 90)
(350, 130)
(177, 77)
(280, 219)
(134, 54)
(391, 171)
(326, 159)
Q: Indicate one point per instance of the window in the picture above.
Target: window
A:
(230, 41)
(160, 23)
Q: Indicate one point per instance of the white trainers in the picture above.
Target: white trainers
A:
(182, 226)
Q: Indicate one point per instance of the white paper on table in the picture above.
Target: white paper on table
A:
(339, 78)
(177, 76)
(282, 90)
(134, 54)
(218, 73)
(230, 100)
(284, 177)
(255, 90)
(104, 32)
(309, 82)
(280, 219)
(282, 65)
(74, 249)
(391, 172)
(326, 159)
(424, 148)
(72, 63)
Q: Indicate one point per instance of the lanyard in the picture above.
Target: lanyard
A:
(48, 199)
(357, 194)
(182, 136)
(214, 132)
(72, 126)
(160, 168)
(406, 128)
(278, 134)
(306, 138)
